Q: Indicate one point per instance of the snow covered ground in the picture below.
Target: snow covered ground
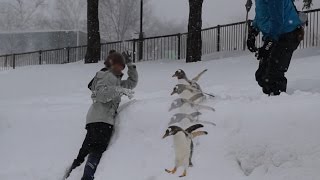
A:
(43, 109)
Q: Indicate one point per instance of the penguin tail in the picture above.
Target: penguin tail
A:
(199, 133)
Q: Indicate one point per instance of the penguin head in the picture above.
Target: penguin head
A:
(177, 103)
(180, 74)
(175, 90)
(172, 130)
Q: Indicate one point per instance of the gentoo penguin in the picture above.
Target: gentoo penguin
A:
(182, 77)
(184, 146)
(177, 118)
(188, 92)
(180, 102)
(183, 80)
(180, 88)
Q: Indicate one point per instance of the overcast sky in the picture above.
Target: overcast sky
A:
(214, 11)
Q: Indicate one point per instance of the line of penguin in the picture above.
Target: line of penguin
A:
(185, 124)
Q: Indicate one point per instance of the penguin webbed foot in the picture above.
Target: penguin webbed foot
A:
(174, 170)
(184, 174)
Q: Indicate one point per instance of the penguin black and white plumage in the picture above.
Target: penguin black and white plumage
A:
(193, 118)
(186, 88)
(183, 146)
(183, 79)
(181, 76)
(180, 103)
(187, 92)
(180, 88)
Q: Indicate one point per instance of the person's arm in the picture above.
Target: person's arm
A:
(276, 12)
(109, 91)
(132, 80)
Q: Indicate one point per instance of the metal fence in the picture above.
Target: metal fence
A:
(229, 37)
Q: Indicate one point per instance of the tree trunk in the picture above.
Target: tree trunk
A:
(94, 46)
(194, 40)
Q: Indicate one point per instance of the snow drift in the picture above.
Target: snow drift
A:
(43, 109)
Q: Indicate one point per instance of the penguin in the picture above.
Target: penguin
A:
(183, 147)
(189, 85)
(177, 118)
(182, 88)
(182, 77)
(180, 102)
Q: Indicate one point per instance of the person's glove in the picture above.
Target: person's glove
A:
(265, 51)
(251, 41)
(127, 92)
(127, 56)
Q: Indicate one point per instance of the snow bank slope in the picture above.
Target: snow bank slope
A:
(42, 116)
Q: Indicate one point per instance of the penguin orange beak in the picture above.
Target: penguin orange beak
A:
(173, 92)
(174, 75)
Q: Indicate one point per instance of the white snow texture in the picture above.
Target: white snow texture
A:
(43, 110)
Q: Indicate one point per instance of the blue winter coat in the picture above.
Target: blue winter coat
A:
(276, 17)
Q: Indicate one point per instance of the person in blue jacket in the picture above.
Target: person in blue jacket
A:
(282, 30)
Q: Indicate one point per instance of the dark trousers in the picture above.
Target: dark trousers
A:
(271, 72)
(94, 145)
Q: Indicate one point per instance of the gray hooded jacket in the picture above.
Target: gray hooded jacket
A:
(107, 90)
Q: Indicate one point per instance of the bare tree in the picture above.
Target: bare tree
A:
(120, 17)
(70, 14)
(19, 14)
(307, 4)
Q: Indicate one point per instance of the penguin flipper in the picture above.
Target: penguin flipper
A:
(199, 133)
(208, 122)
(193, 128)
(195, 114)
(205, 107)
(195, 79)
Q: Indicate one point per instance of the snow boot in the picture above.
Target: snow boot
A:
(91, 166)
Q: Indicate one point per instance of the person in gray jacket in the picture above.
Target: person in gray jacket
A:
(107, 89)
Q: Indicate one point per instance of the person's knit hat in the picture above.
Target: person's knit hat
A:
(116, 58)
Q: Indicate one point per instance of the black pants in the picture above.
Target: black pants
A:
(271, 72)
(95, 143)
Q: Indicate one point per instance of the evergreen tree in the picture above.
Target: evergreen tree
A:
(94, 46)
(194, 39)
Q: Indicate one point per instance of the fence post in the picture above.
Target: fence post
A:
(179, 46)
(218, 37)
(68, 54)
(40, 57)
(134, 50)
(14, 61)
(140, 48)
(245, 35)
(6, 61)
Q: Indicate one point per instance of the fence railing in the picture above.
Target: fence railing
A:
(229, 37)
